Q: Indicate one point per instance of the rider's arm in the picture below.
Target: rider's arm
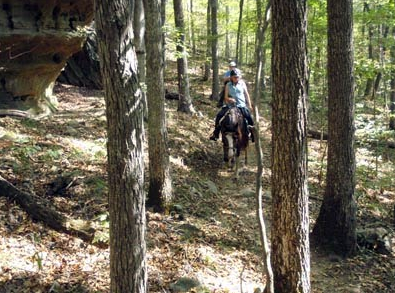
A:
(227, 99)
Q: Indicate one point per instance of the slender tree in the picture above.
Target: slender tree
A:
(290, 228)
(163, 21)
(160, 189)
(185, 101)
(263, 23)
(239, 37)
(207, 62)
(192, 23)
(139, 32)
(369, 81)
(227, 37)
(336, 224)
(392, 84)
(214, 48)
(124, 111)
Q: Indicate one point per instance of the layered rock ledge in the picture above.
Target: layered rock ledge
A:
(36, 39)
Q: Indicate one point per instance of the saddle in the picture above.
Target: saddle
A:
(229, 122)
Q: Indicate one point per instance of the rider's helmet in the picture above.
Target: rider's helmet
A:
(235, 72)
(232, 64)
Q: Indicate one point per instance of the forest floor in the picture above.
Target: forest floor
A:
(211, 234)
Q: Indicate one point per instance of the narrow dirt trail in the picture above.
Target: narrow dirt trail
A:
(213, 237)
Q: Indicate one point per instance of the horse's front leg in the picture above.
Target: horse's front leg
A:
(237, 165)
(245, 156)
(229, 153)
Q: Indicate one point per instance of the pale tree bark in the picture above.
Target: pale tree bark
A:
(163, 21)
(336, 224)
(238, 41)
(207, 63)
(290, 228)
(185, 101)
(124, 111)
(227, 41)
(192, 22)
(214, 49)
(263, 22)
(139, 31)
(160, 187)
(369, 81)
(392, 84)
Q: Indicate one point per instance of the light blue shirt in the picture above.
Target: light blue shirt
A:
(236, 91)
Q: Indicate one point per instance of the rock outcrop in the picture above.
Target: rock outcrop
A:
(36, 39)
(83, 68)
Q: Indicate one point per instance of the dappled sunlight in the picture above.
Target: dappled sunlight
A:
(210, 233)
(179, 163)
(94, 149)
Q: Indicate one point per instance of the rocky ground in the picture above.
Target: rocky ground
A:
(210, 236)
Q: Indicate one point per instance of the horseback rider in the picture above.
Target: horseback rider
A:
(236, 94)
(232, 66)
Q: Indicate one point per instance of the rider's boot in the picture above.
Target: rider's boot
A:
(251, 132)
(215, 135)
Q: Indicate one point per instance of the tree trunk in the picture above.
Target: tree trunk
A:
(336, 223)
(290, 229)
(263, 23)
(392, 94)
(185, 101)
(238, 42)
(124, 111)
(160, 188)
(214, 49)
(163, 21)
(193, 38)
(208, 45)
(139, 32)
(227, 42)
(369, 81)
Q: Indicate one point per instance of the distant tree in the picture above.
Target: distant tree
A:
(124, 111)
(369, 81)
(290, 227)
(160, 187)
(239, 56)
(139, 43)
(214, 48)
(185, 101)
(163, 21)
(227, 37)
(392, 84)
(207, 63)
(336, 223)
(193, 29)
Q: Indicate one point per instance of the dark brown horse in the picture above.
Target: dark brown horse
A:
(234, 137)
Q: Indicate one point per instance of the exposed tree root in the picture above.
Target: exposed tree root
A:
(17, 113)
(42, 210)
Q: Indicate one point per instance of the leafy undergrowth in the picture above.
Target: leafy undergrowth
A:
(211, 233)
